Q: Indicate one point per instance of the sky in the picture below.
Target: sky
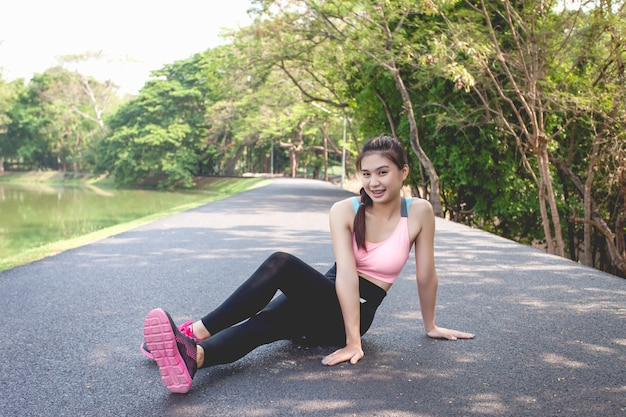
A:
(133, 37)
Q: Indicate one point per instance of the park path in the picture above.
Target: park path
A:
(550, 334)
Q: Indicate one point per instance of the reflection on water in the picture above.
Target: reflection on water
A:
(34, 215)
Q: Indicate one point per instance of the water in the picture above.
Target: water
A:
(32, 216)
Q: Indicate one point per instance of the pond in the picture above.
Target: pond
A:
(36, 215)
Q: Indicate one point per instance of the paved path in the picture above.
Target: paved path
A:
(551, 335)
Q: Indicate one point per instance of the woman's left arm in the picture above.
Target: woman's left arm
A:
(426, 275)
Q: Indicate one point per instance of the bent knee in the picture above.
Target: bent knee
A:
(281, 258)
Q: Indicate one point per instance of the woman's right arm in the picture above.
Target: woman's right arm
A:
(347, 283)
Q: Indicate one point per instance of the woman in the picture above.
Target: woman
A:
(372, 237)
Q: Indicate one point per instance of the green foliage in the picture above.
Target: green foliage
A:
(52, 120)
(162, 130)
(7, 93)
(25, 137)
(289, 80)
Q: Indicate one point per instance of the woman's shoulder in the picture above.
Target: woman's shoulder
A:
(347, 202)
(342, 214)
(345, 206)
(420, 206)
(420, 214)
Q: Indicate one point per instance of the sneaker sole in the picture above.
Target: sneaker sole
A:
(161, 341)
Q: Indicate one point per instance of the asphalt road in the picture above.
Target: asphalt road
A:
(550, 334)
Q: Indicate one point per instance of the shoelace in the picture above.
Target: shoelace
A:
(187, 330)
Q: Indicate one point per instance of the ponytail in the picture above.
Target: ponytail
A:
(359, 219)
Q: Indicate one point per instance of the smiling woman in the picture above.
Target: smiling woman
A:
(287, 299)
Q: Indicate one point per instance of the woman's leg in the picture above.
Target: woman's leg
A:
(302, 285)
(248, 319)
(275, 322)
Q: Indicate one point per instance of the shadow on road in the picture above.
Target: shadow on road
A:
(550, 334)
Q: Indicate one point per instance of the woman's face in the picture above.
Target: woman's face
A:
(381, 178)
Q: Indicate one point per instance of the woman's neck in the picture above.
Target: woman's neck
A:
(387, 210)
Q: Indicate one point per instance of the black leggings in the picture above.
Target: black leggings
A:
(308, 307)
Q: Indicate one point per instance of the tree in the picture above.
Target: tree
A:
(89, 98)
(8, 91)
(255, 108)
(379, 32)
(162, 130)
(50, 121)
(591, 155)
(514, 57)
(293, 48)
(541, 77)
(26, 139)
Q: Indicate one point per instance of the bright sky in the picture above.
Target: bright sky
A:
(134, 36)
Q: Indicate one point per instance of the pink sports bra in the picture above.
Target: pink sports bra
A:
(384, 260)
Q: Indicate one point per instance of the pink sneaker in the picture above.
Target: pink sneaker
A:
(174, 353)
(184, 328)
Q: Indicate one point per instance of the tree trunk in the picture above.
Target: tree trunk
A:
(390, 65)
(614, 242)
(435, 195)
(546, 194)
(231, 163)
(392, 124)
(588, 202)
(296, 147)
(293, 161)
(325, 144)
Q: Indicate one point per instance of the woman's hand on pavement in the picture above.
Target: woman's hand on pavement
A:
(348, 353)
(443, 333)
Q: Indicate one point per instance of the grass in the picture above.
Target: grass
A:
(215, 188)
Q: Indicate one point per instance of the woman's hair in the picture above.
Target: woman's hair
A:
(389, 148)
